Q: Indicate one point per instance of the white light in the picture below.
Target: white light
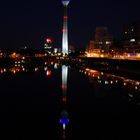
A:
(107, 42)
(55, 50)
(55, 66)
(45, 69)
(130, 95)
(64, 126)
(132, 40)
(36, 69)
(100, 42)
(65, 2)
(106, 82)
(65, 30)
(136, 87)
(111, 82)
(64, 78)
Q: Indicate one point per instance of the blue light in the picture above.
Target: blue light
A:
(64, 121)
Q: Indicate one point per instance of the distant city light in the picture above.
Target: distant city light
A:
(108, 42)
(132, 40)
(49, 40)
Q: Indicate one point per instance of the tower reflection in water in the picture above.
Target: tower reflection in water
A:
(64, 117)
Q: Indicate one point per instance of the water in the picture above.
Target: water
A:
(56, 101)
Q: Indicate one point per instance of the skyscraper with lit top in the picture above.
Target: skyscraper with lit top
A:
(65, 28)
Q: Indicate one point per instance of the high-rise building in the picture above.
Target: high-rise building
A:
(100, 33)
(65, 28)
(103, 40)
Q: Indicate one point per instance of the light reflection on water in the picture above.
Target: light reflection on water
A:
(110, 79)
(106, 81)
(100, 82)
(64, 118)
(98, 78)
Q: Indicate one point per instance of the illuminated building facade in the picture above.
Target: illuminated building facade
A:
(65, 28)
(48, 45)
(91, 46)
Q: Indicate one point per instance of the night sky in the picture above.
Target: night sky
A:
(28, 23)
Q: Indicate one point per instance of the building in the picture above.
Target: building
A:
(107, 43)
(103, 40)
(131, 35)
(100, 33)
(48, 46)
(92, 50)
(91, 46)
(100, 47)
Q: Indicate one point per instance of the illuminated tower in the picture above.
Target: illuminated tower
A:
(65, 28)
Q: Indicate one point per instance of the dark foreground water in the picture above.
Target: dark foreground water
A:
(55, 101)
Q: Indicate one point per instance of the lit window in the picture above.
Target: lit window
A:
(132, 40)
(107, 42)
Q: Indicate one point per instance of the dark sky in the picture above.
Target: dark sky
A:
(28, 23)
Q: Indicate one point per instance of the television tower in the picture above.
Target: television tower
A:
(65, 28)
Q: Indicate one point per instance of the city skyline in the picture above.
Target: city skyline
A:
(29, 23)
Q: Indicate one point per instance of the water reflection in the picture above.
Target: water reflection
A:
(64, 80)
(64, 118)
(98, 83)
(108, 82)
(25, 65)
(109, 79)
